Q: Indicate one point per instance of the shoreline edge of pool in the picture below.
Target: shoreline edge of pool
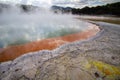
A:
(98, 55)
(12, 52)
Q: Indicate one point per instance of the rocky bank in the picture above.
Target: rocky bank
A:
(97, 58)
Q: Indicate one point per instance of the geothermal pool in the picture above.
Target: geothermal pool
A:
(24, 33)
(18, 29)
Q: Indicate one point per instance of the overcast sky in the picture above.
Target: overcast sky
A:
(68, 3)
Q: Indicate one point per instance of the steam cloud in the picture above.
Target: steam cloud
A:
(17, 27)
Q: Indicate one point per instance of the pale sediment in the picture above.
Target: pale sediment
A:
(97, 58)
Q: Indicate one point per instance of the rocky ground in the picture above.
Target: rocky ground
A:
(97, 58)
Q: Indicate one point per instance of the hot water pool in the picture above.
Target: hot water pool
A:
(18, 29)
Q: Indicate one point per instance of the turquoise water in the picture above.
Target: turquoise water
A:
(22, 28)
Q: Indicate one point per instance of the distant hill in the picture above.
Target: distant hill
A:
(108, 9)
(58, 9)
(20, 7)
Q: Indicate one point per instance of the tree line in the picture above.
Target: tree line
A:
(108, 9)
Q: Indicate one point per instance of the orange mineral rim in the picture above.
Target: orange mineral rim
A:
(13, 52)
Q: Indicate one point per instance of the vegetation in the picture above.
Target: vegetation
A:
(108, 9)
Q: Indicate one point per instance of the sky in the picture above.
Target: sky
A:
(64, 3)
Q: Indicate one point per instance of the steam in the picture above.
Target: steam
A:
(18, 28)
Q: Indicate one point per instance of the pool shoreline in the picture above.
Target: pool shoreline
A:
(99, 54)
(46, 44)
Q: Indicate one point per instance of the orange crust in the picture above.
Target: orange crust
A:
(13, 52)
